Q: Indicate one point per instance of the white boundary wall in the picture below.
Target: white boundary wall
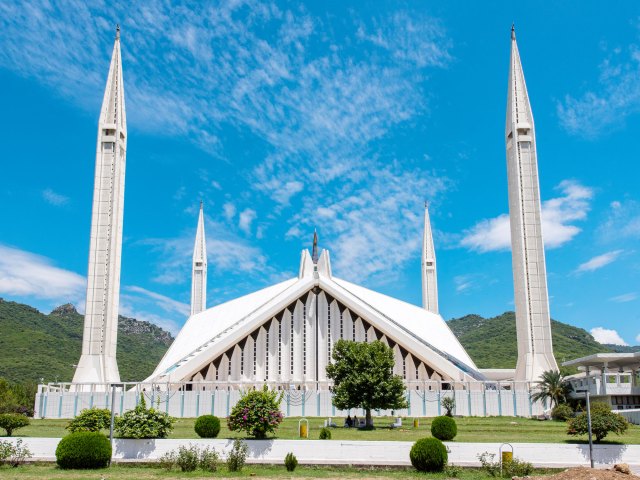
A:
(479, 402)
(343, 452)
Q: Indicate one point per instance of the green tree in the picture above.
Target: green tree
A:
(552, 386)
(362, 375)
(603, 421)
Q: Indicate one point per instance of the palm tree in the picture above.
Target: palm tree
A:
(553, 386)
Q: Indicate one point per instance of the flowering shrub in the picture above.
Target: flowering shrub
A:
(257, 413)
(143, 422)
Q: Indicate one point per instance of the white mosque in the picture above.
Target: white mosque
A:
(283, 335)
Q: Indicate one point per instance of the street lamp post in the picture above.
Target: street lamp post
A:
(586, 392)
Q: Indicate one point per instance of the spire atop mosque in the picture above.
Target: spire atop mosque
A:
(513, 31)
(199, 267)
(314, 252)
(533, 325)
(117, 31)
(429, 273)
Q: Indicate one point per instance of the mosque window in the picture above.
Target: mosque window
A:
(341, 326)
(329, 334)
(255, 356)
(280, 348)
(229, 368)
(291, 346)
(266, 359)
(404, 367)
(242, 361)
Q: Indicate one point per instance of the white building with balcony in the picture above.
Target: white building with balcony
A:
(613, 378)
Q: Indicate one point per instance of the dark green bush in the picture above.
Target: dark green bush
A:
(207, 426)
(143, 422)
(325, 433)
(562, 412)
(13, 421)
(444, 428)
(91, 420)
(429, 455)
(290, 462)
(83, 450)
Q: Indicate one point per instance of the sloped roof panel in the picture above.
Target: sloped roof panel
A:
(426, 325)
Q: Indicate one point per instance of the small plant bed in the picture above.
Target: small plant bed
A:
(37, 471)
(470, 429)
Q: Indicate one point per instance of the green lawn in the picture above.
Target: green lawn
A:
(470, 429)
(144, 472)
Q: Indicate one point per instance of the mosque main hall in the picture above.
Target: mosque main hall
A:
(283, 335)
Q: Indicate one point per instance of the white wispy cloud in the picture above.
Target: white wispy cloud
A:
(625, 297)
(24, 273)
(246, 218)
(318, 101)
(622, 222)
(638, 338)
(605, 335)
(463, 283)
(54, 198)
(227, 253)
(166, 303)
(598, 261)
(607, 104)
(559, 215)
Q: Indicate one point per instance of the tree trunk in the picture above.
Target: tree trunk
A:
(368, 420)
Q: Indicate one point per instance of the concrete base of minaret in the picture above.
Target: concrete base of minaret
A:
(98, 369)
(531, 366)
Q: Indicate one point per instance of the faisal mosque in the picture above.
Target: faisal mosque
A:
(283, 335)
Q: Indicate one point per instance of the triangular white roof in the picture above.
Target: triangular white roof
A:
(210, 333)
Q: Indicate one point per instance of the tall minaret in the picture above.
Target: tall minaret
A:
(98, 361)
(533, 325)
(429, 274)
(199, 273)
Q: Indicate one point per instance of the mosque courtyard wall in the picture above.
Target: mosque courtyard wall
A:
(187, 400)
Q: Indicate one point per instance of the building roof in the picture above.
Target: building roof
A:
(609, 360)
(211, 332)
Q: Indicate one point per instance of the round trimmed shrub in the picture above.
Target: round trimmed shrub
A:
(207, 426)
(562, 412)
(444, 428)
(325, 433)
(83, 450)
(429, 455)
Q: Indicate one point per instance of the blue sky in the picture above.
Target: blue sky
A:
(340, 116)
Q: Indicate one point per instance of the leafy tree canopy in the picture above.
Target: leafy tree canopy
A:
(363, 377)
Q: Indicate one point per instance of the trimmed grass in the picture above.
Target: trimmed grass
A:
(145, 472)
(470, 429)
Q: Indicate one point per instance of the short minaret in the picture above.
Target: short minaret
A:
(98, 361)
(533, 324)
(199, 273)
(429, 274)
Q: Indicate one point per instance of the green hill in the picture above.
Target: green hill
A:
(34, 345)
(491, 342)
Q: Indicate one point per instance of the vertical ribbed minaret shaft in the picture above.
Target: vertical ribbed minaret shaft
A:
(535, 352)
(429, 273)
(199, 273)
(98, 361)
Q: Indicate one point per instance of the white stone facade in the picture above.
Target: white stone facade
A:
(98, 360)
(535, 352)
